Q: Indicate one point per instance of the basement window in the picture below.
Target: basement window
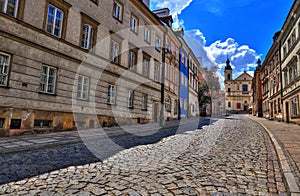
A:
(42, 123)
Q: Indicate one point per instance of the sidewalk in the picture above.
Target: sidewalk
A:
(286, 138)
(31, 142)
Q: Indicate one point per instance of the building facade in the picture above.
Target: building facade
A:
(83, 64)
(237, 91)
(257, 109)
(171, 77)
(193, 85)
(290, 64)
(184, 75)
(271, 85)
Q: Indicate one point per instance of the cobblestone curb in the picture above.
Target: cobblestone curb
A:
(288, 176)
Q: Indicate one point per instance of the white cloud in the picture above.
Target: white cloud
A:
(175, 6)
(243, 58)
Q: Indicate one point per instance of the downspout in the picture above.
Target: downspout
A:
(281, 84)
(179, 78)
(162, 89)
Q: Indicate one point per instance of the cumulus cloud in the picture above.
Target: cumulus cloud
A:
(242, 58)
(175, 6)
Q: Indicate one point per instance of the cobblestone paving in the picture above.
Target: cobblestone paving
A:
(230, 157)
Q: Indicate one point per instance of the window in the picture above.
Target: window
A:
(186, 81)
(132, 60)
(245, 87)
(279, 109)
(83, 87)
(146, 67)
(48, 79)
(134, 24)
(9, 7)
(185, 104)
(89, 32)
(54, 21)
(167, 71)
(172, 74)
(175, 106)
(144, 101)
(168, 104)
(157, 43)
(228, 90)
(2, 122)
(147, 35)
(115, 49)
(42, 123)
(87, 36)
(238, 105)
(295, 107)
(130, 99)
(156, 71)
(118, 11)
(192, 108)
(229, 104)
(95, 1)
(4, 68)
(284, 51)
(111, 94)
(238, 87)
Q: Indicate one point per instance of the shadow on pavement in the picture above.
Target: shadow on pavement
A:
(22, 165)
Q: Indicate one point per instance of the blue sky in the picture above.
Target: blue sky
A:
(241, 29)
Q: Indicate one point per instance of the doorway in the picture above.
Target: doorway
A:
(155, 112)
(287, 112)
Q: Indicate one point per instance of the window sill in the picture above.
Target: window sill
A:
(5, 86)
(117, 19)
(44, 93)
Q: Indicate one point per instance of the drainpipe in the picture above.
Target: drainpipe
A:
(281, 84)
(162, 90)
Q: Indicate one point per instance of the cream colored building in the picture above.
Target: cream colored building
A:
(237, 91)
(194, 67)
(290, 63)
(99, 60)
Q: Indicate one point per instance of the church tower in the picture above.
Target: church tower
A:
(228, 71)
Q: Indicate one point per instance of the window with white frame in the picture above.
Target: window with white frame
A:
(87, 36)
(185, 104)
(9, 7)
(146, 63)
(167, 71)
(168, 104)
(4, 68)
(157, 43)
(54, 21)
(147, 35)
(48, 79)
(295, 107)
(132, 60)
(172, 74)
(115, 49)
(134, 24)
(175, 106)
(83, 87)
(144, 101)
(118, 11)
(130, 98)
(156, 72)
(111, 94)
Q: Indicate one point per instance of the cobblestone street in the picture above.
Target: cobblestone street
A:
(230, 156)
